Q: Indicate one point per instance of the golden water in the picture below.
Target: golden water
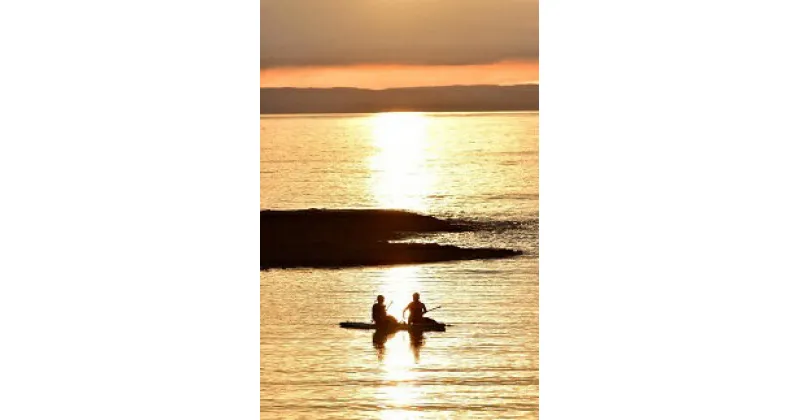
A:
(481, 167)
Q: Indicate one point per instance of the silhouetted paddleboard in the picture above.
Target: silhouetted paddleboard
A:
(399, 327)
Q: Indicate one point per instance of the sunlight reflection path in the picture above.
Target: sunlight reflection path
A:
(401, 177)
(397, 284)
(400, 354)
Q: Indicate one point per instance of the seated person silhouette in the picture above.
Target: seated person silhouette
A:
(379, 316)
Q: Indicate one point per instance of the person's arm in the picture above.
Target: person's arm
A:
(424, 309)
(404, 310)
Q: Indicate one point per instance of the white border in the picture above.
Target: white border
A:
(129, 218)
(669, 211)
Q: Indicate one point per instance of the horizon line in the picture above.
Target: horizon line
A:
(311, 114)
(397, 88)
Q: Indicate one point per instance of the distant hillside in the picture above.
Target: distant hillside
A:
(430, 99)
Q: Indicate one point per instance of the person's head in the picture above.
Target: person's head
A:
(380, 298)
(416, 297)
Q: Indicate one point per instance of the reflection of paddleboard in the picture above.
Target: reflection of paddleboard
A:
(400, 326)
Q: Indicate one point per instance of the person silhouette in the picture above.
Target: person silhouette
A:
(416, 311)
(379, 316)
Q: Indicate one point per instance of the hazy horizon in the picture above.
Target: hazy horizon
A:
(397, 88)
(458, 98)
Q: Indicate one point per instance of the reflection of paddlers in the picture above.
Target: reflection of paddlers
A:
(379, 316)
(416, 311)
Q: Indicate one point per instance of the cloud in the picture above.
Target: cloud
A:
(413, 32)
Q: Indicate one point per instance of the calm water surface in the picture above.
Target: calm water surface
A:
(481, 167)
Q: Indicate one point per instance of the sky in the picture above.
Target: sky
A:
(380, 44)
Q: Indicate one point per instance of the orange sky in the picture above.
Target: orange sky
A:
(384, 76)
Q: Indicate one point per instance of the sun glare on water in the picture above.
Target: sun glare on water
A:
(401, 178)
(399, 363)
(397, 285)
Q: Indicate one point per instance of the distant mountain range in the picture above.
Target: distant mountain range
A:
(426, 99)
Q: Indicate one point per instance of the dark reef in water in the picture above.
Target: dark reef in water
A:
(348, 238)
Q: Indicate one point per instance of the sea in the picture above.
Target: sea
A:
(477, 167)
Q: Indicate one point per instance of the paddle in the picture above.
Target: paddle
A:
(429, 310)
(441, 323)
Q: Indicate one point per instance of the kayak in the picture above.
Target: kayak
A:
(402, 326)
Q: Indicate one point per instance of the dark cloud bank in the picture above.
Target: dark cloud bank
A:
(342, 32)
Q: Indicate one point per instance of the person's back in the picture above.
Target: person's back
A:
(416, 310)
(378, 313)
(379, 316)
